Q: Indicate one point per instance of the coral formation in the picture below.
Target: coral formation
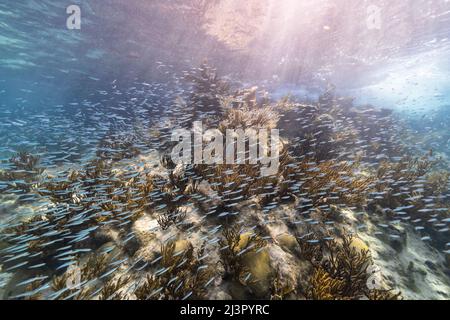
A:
(340, 271)
(285, 236)
(182, 275)
(233, 248)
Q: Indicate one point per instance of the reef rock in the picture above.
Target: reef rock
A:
(221, 295)
(182, 246)
(288, 243)
(358, 244)
(258, 264)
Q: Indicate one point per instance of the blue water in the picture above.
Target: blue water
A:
(62, 91)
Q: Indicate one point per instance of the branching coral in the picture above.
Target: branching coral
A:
(340, 270)
(111, 290)
(234, 246)
(149, 289)
(280, 288)
(207, 91)
(167, 219)
(348, 264)
(94, 267)
(22, 173)
(383, 295)
(265, 118)
(181, 276)
(79, 283)
(233, 183)
(438, 182)
(324, 287)
(116, 146)
(25, 161)
(34, 288)
(62, 291)
(326, 158)
(411, 190)
(329, 182)
(311, 249)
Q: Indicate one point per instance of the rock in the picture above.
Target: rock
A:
(446, 264)
(431, 265)
(100, 237)
(10, 281)
(397, 245)
(258, 263)
(358, 244)
(182, 246)
(394, 238)
(132, 246)
(243, 241)
(288, 243)
(149, 252)
(3, 245)
(238, 291)
(4, 280)
(221, 295)
(144, 229)
(109, 248)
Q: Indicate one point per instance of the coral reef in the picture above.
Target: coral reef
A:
(348, 196)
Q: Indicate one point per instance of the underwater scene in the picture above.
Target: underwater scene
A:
(224, 150)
